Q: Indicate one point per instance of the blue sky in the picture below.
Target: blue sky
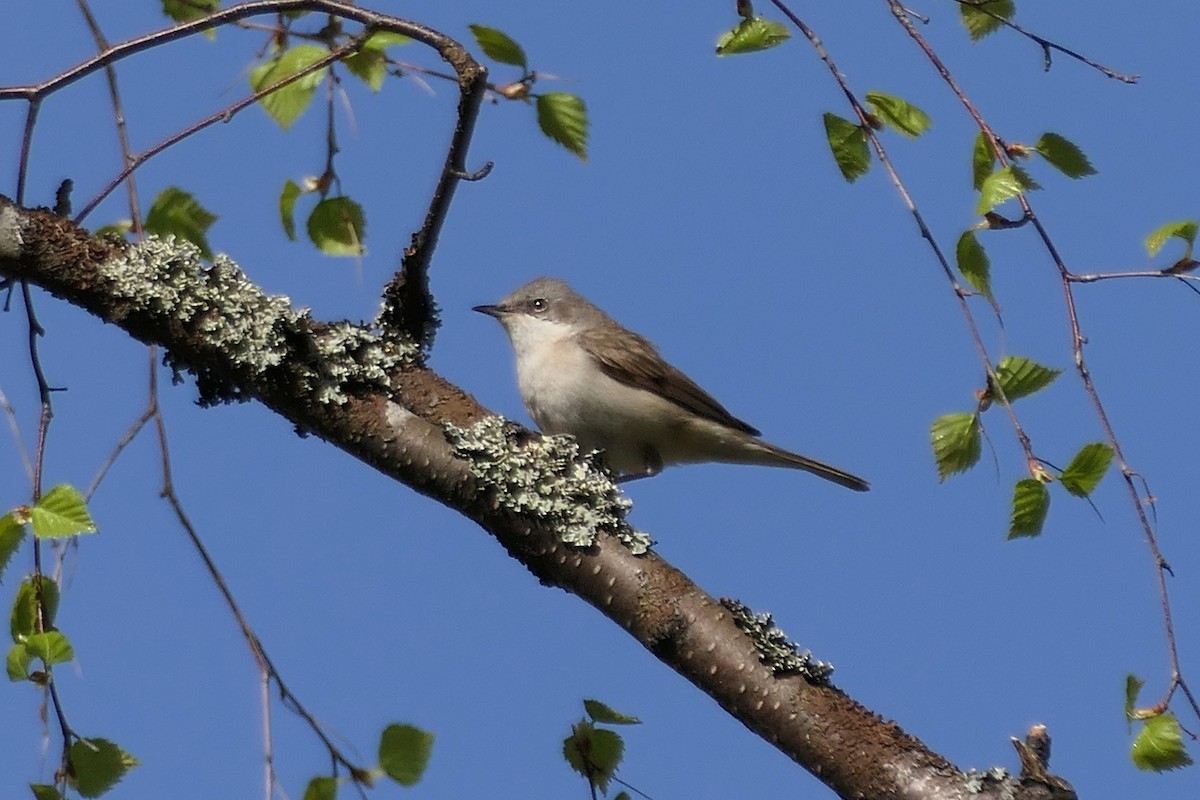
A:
(711, 218)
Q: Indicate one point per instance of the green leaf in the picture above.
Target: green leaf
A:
(1003, 184)
(980, 19)
(96, 765)
(51, 647)
(337, 227)
(1159, 747)
(849, 145)
(45, 791)
(751, 35)
(956, 443)
(321, 788)
(17, 663)
(1133, 685)
(1086, 469)
(1031, 502)
(1184, 229)
(177, 213)
(370, 62)
(382, 40)
(11, 535)
(593, 752)
(1064, 155)
(404, 753)
(23, 622)
(499, 46)
(900, 114)
(973, 263)
(599, 712)
(368, 65)
(983, 161)
(188, 10)
(1019, 377)
(62, 511)
(287, 104)
(563, 117)
(287, 207)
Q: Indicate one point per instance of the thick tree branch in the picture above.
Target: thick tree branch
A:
(368, 394)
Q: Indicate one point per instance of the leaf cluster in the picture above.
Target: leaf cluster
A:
(957, 444)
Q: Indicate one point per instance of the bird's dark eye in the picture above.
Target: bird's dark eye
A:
(539, 304)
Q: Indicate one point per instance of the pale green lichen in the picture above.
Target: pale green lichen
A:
(548, 478)
(255, 331)
(775, 650)
(977, 782)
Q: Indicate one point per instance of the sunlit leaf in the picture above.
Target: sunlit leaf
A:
(751, 35)
(17, 662)
(900, 114)
(983, 160)
(62, 511)
(1020, 377)
(1159, 746)
(404, 753)
(595, 753)
(956, 443)
(52, 647)
(11, 535)
(97, 765)
(177, 213)
(1184, 229)
(981, 19)
(337, 227)
(1087, 469)
(370, 62)
(599, 712)
(849, 145)
(1031, 503)
(499, 46)
(563, 117)
(24, 619)
(287, 103)
(1003, 184)
(1064, 155)
(973, 263)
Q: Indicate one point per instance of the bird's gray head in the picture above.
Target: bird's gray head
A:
(548, 299)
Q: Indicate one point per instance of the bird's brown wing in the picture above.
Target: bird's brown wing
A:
(631, 359)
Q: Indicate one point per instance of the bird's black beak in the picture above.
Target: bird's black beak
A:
(491, 311)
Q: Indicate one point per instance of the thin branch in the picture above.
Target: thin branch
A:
(224, 115)
(960, 293)
(114, 95)
(1047, 45)
(1075, 277)
(408, 305)
(1077, 342)
(256, 648)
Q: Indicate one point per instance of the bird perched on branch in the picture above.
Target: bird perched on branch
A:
(580, 372)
